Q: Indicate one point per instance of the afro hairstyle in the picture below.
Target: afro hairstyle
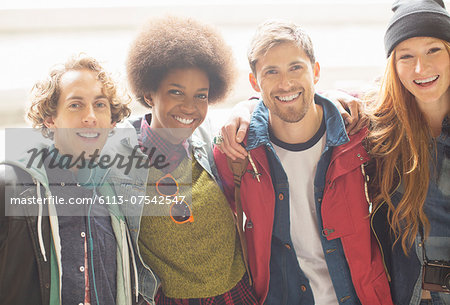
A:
(172, 42)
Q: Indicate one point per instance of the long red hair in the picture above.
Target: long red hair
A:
(399, 142)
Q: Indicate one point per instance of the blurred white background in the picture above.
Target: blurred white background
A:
(35, 34)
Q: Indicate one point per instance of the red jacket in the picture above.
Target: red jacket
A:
(344, 212)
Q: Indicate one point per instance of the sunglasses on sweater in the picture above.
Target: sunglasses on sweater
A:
(180, 211)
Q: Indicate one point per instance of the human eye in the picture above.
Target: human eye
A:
(271, 72)
(101, 103)
(202, 96)
(74, 106)
(175, 92)
(434, 50)
(404, 56)
(296, 67)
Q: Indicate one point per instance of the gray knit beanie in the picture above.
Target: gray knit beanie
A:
(417, 18)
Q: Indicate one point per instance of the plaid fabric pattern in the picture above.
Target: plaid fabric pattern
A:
(174, 153)
(241, 294)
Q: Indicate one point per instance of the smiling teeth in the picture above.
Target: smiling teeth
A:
(183, 121)
(427, 80)
(288, 98)
(88, 134)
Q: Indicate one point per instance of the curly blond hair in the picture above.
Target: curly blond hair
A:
(45, 93)
(169, 43)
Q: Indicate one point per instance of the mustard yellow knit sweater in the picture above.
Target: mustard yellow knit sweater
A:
(197, 259)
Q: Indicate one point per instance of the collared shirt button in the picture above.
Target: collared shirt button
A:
(47, 285)
(303, 288)
(62, 184)
(280, 196)
(358, 155)
(78, 184)
(288, 246)
(83, 234)
(81, 268)
(319, 199)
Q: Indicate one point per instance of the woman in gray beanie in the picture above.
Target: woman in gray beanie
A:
(409, 140)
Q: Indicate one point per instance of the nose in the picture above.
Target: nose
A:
(285, 82)
(188, 105)
(89, 117)
(420, 65)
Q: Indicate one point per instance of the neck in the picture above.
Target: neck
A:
(298, 132)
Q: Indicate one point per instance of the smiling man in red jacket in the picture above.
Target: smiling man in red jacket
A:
(308, 242)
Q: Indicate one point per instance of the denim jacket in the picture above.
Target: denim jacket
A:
(288, 284)
(132, 184)
(406, 270)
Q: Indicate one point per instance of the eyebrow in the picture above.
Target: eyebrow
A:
(270, 67)
(183, 87)
(290, 64)
(76, 97)
(296, 62)
(426, 44)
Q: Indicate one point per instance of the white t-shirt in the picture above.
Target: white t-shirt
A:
(300, 163)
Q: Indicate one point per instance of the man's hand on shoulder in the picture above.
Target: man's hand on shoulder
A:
(351, 109)
(233, 132)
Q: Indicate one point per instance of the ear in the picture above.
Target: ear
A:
(49, 122)
(149, 99)
(254, 82)
(316, 72)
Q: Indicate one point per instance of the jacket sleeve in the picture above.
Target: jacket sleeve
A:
(11, 185)
(225, 175)
(19, 270)
(13, 181)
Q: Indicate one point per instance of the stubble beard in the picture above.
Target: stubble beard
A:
(292, 114)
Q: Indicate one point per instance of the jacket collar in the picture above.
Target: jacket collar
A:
(258, 133)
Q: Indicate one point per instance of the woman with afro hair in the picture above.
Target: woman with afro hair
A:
(185, 236)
